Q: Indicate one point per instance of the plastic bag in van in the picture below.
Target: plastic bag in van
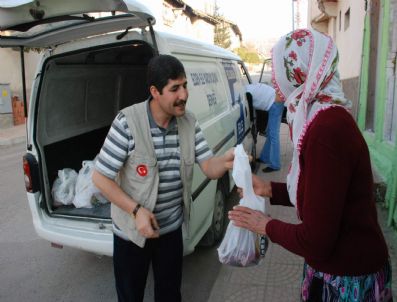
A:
(87, 194)
(241, 247)
(63, 189)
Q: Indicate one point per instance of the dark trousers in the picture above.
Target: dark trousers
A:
(131, 265)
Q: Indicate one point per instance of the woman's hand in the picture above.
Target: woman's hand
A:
(261, 187)
(247, 218)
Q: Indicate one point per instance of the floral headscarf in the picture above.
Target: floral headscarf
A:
(305, 75)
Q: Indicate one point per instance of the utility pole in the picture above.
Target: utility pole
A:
(293, 15)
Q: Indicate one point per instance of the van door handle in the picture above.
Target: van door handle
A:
(246, 112)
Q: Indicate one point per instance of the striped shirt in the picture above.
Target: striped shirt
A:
(119, 144)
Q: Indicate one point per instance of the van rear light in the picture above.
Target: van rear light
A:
(31, 173)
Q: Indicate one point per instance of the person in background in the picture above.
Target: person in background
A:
(261, 122)
(151, 147)
(330, 181)
(264, 98)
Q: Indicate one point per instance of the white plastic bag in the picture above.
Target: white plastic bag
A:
(241, 247)
(63, 187)
(86, 193)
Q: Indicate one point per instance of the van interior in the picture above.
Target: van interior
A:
(79, 96)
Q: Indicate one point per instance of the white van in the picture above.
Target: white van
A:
(91, 68)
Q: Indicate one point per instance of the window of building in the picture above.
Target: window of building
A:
(347, 19)
(340, 20)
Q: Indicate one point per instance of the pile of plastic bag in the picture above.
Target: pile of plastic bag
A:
(241, 247)
(63, 189)
(77, 189)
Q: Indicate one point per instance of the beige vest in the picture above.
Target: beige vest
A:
(139, 177)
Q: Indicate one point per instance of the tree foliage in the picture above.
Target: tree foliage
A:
(222, 35)
(248, 55)
(221, 30)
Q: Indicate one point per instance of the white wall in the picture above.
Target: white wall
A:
(349, 41)
(203, 31)
(312, 11)
(206, 6)
(10, 72)
(176, 22)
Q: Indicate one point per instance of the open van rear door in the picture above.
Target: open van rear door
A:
(48, 23)
(45, 23)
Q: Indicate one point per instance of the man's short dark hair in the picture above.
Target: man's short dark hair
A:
(163, 68)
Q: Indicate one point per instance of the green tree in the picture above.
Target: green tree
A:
(221, 30)
(222, 35)
(248, 55)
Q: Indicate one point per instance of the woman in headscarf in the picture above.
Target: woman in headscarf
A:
(329, 183)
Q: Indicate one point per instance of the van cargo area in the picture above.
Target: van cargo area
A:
(79, 96)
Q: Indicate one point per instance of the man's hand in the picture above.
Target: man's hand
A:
(229, 158)
(216, 166)
(146, 223)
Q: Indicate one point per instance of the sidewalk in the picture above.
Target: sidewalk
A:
(12, 135)
(279, 276)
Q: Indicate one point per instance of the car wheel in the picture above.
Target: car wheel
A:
(253, 163)
(216, 230)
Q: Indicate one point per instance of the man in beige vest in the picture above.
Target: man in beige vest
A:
(152, 147)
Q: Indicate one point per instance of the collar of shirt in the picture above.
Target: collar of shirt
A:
(171, 125)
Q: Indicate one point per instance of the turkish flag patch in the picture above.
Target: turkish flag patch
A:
(142, 170)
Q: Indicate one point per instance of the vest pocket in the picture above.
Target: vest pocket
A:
(141, 168)
(139, 178)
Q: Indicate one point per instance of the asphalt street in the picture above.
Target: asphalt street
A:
(31, 270)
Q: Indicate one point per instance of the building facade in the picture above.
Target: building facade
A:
(343, 20)
(194, 19)
(377, 116)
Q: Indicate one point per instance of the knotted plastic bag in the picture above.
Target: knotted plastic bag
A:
(241, 247)
(63, 189)
(87, 194)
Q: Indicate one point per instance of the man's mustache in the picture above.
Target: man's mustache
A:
(182, 102)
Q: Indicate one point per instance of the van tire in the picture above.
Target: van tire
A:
(253, 162)
(254, 132)
(216, 230)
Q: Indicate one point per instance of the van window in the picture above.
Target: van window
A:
(244, 74)
(235, 82)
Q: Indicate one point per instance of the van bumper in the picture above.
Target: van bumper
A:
(84, 235)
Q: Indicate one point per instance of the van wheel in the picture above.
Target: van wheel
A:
(215, 231)
(253, 162)
(254, 132)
